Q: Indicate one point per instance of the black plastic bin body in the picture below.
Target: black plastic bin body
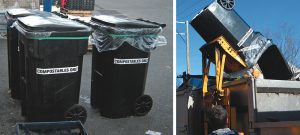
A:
(214, 21)
(12, 49)
(273, 64)
(116, 87)
(51, 54)
(119, 75)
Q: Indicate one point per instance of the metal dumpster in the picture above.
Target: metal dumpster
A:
(264, 107)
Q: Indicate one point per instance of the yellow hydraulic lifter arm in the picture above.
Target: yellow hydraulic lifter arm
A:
(220, 63)
(221, 52)
(205, 70)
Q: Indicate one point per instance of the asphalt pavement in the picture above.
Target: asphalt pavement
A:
(159, 79)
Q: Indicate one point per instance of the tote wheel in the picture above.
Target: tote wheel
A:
(75, 113)
(142, 105)
(227, 4)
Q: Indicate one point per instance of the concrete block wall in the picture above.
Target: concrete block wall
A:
(29, 4)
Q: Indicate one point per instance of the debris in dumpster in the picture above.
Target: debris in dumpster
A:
(295, 71)
(149, 132)
(254, 72)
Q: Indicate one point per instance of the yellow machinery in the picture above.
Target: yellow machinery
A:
(220, 52)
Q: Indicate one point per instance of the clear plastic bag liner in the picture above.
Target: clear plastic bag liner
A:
(106, 38)
(296, 72)
(296, 77)
(2, 18)
(3, 24)
(254, 47)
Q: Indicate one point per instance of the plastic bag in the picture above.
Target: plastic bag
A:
(107, 38)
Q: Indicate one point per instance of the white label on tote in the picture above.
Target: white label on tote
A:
(131, 61)
(62, 70)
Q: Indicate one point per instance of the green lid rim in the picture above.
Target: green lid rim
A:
(133, 35)
(60, 38)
